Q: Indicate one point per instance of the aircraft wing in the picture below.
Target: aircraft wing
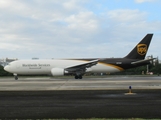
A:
(81, 67)
(142, 61)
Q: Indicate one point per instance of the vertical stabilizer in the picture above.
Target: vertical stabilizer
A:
(140, 50)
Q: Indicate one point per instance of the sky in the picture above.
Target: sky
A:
(77, 28)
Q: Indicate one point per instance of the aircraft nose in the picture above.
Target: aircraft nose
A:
(6, 68)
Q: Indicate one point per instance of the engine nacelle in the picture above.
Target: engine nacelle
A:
(58, 71)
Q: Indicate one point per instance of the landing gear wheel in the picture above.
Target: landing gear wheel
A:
(16, 77)
(78, 77)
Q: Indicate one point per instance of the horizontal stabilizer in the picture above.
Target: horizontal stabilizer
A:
(142, 61)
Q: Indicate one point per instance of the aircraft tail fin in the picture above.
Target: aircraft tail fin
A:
(140, 50)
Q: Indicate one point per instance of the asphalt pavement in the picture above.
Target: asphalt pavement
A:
(80, 104)
(67, 98)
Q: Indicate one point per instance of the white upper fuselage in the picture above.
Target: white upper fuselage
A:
(27, 67)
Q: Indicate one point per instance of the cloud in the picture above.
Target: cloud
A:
(122, 21)
(142, 1)
(37, 25)
(60, 28)
(126, 15)
(83, 20)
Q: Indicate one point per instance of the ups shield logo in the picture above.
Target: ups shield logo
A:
(142, 49)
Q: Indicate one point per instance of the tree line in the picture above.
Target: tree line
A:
(142, 70)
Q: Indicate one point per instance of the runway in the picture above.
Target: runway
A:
(67, 98)
(69, 83)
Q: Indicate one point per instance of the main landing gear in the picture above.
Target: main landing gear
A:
(78, 77)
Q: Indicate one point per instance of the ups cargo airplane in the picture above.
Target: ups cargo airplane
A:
(78, 67)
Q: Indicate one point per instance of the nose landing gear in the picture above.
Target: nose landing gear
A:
(16, 77)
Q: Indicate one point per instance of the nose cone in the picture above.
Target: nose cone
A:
(6, 68)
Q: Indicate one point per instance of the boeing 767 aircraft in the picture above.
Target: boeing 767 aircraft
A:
(78, 67)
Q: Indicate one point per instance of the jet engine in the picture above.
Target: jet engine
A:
(58, 71)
